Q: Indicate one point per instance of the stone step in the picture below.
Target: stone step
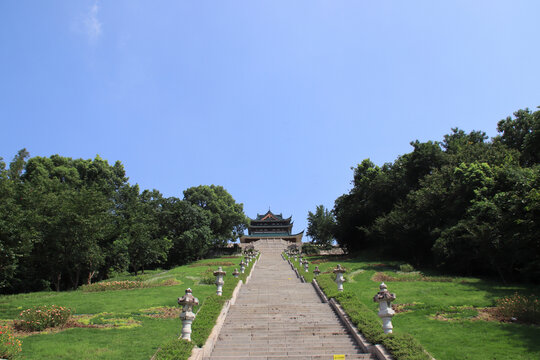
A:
(304, 352)
(322, 356)
(275, 316)
(281, 342)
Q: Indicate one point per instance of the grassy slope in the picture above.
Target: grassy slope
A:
(138, 342)
(458, 339)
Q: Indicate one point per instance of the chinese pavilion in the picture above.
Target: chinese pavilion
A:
(271, 226)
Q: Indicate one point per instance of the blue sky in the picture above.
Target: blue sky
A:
(274, 100)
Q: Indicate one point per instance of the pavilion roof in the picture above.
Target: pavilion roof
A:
(270, 216)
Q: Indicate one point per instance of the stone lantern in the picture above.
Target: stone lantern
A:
(187, 302)
(306, 265)
(219, 274)
(339, 271)
(235, 273)
(316, 271)
(384, 298)
(242, 266)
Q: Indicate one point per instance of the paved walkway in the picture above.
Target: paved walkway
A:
(277, 317)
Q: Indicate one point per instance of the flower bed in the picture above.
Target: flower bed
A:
(41, 317)
(125, 285)
(523, 308)
(10, 346)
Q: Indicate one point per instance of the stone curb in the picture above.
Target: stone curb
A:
(208, 347)
(378, 350)
(319, 292)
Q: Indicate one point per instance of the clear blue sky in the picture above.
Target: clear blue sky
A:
(274, 100)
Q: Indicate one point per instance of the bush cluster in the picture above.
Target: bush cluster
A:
(406, 268)
(41, 317)
(10, 346)
(524, 308)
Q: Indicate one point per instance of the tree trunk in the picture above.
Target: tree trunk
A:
(75, 284)
(57, 281)
(90, 276)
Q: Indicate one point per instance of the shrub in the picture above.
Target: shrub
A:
(310, 249)
(208, 278)
(523, 308)
(406, 268)
(41, 317)
(10, 346)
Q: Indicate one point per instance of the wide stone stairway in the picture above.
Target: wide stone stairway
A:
(276, 316)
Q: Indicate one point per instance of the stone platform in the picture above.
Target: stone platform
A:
(278, 317)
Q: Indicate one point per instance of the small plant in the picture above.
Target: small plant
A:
(406, 268)
(208, 278)
(10, 346)
(523, 308)
(41, 317)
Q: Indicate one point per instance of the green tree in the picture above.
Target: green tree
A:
(321, 226)
(146, 244)
(227, 218)
(523, 134)
(188, 228)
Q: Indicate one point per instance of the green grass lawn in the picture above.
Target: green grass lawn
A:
(136, 334)
(456, 335)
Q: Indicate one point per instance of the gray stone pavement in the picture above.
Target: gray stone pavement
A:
(278, 317)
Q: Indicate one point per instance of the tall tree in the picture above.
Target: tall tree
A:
(321, 226)
(227, 218)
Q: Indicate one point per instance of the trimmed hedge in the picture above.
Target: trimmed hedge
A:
(177, 349)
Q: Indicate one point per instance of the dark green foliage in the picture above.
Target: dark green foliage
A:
(321, 226)
(310, 249)
(175, 350)
(66, 222)
(227, 218)
(466, 205)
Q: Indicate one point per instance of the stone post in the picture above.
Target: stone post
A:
(242, 266)
(306, 265)
(219, 280)
(295, 257)
(384, 298)
(187, 302)
(316, 271)
(339, 271)
(235, 273)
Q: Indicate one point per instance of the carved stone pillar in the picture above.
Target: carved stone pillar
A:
(385, 298)
(339, 271)
(187, 302)
(219, 274)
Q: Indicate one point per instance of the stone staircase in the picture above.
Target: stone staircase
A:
(278, 317)
(273, 246)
